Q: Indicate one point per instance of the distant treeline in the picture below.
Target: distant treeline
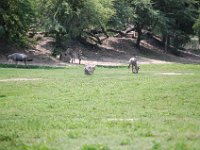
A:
(174, 21)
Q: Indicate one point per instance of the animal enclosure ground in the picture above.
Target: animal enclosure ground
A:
(113, 108)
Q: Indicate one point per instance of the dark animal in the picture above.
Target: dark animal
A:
(133, 64)
(16, 57)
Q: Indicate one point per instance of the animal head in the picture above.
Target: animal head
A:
(137, 69)
(9, 56)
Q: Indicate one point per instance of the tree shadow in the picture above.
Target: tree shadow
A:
(30, 66)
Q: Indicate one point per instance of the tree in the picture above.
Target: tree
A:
(15, 18)
(177, 18)
(143, 16)
(123, 15)
(196, 26)
(74, 18)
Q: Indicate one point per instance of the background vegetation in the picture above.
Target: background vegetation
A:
(173, 20)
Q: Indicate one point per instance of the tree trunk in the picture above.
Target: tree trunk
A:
(104, 31)
(123, 33)
(139, 38)
(117, 31)
(167, 43)
(94, 36)
(163, 39)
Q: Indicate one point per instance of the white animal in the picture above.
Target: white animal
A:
(133, 64)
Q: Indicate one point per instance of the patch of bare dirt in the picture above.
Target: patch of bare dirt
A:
(122, 119)
(19, 79)
(173, 73)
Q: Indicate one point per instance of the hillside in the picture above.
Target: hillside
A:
(113, 51)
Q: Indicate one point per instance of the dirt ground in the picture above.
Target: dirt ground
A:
(113, 52)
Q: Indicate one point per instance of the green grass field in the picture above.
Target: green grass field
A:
(63, 109)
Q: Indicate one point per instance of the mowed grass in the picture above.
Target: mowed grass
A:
(112, 109)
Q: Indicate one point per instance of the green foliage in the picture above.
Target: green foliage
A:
(144, 16)
(180, 39)
(2, 31)
(123, 16)
(66, 19)
(15, 19)
(66, 16)
(143, 11)
(98, 12)
(176, 19)
(196, 27)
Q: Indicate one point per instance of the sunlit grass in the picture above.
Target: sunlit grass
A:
(112, 109)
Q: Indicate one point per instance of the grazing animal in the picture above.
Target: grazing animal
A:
(64, 56)
(16, 57)
(69, 55)
(133, 64)
(72, 54)
(89, 69)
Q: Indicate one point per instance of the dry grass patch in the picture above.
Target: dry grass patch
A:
(19, 79)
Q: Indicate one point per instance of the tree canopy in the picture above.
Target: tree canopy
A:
(15, 19)
(174, 20)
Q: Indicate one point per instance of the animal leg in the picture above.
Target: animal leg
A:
(136, 68)
(133, 69)
(129, 65)
(25, 62)
(16, 63)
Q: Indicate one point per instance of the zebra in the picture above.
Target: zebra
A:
(133, 64)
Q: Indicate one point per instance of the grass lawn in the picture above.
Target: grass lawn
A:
(63, 109)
